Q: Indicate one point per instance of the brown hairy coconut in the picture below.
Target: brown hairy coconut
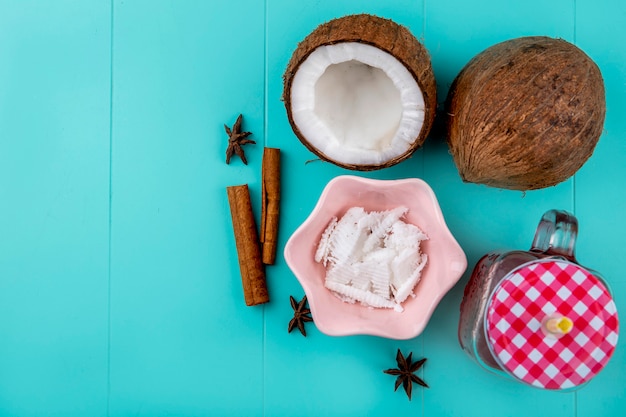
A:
(525, 113)
(360, 92)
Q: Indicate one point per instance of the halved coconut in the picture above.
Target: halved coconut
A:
(360, 92)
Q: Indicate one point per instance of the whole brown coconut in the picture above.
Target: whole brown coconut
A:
(525, 113)
(360, 92)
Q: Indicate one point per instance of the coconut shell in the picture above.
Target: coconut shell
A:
(525, 113)
(386, 35)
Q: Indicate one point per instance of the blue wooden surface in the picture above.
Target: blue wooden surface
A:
(119, 285)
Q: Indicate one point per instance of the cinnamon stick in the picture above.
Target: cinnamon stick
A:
(270, 203)
(248, 250)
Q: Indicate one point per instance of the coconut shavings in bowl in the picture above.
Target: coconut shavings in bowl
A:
(372, 257)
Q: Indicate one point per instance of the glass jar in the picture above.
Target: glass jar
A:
(537, 316)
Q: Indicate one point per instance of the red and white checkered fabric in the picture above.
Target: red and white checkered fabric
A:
(530, 295)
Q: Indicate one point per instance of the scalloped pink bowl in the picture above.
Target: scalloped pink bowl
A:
(446, 260)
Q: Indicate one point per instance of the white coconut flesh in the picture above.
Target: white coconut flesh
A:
(357, 104)
(372, 257)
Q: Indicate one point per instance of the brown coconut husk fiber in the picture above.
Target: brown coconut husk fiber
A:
(381, 33)
(525, 113)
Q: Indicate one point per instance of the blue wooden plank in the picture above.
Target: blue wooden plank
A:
(182, 340)
(483, 218)
(54, 195)
(340, 375)
(600, 198)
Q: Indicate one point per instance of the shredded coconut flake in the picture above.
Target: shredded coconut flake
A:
(372, 258)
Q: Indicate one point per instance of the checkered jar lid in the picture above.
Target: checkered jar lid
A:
(552, 324)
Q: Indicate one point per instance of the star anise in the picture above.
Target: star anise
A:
(406, 372)
(300, 315)
(236, 139)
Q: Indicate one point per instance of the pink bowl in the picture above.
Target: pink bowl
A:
(446, 260)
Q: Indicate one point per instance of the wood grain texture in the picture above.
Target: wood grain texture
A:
(119, 289)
